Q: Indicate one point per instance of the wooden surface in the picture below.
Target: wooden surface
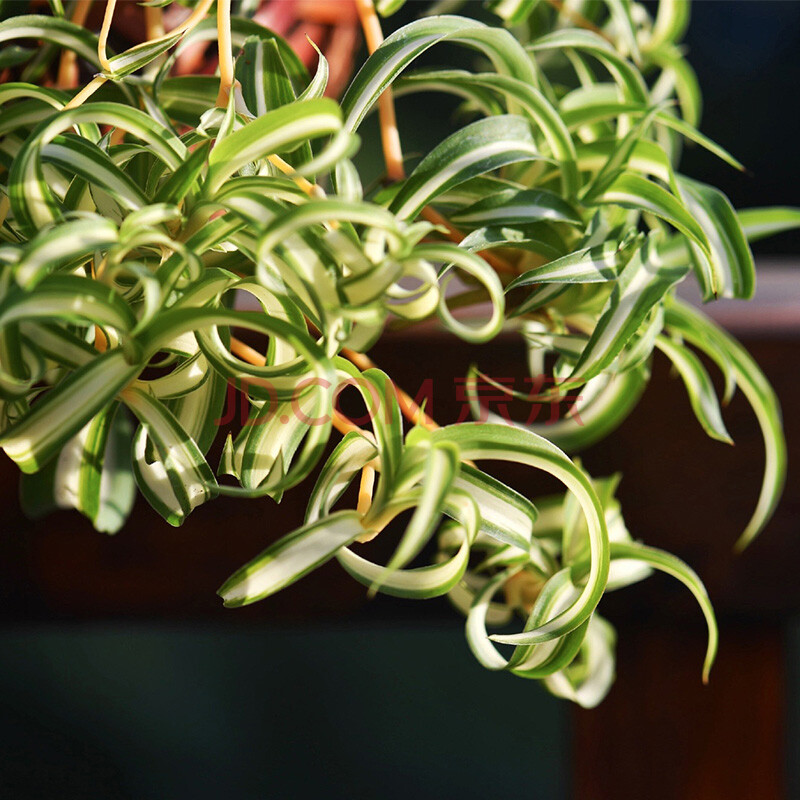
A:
(662, 734)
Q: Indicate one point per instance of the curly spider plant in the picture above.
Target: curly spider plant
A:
(148, 220)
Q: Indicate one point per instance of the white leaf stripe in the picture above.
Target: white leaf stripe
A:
(671, 565)
(71, 298)
(31, 198)
(633, 191)
(477, 639)
(64, 410)
(59, 31)
(92, 462)
(477, 268)
(603, 404)
(117, 485)
(504, 443)
(629, 79)
(542, 659)
(707, 337)
(441, 469)
(587, 680)
(345, 462)
(478, 148)
(727, 270)
(291, 557)
(77, 156)
(154, 482)
(139, 56)
(58, 344)
(406, 44)
(699, 387)
(180, 182)
(58, 246)
(590, 265)
(670, 24)
(758, 223)
(512, 11)
(241, 30)
(642, 285)
(318, 84)
(600, 110)
(535, 105)
(265, 82)
(189, 475)
(419, 583)
(92, 473)
(505, 515)
(511, 206)
(274, 132)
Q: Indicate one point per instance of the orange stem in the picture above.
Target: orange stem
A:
(252, 356)
(102, 39)
(68, 63)
(365, 489)
(499, 264)
(227, 79)
(390, 137)
(577, 18)
(311, 189)
(154, 22)
(409, 407)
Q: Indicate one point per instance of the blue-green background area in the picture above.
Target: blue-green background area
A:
(166, 712)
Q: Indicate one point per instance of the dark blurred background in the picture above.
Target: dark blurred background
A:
(746, 58)
(122, 677)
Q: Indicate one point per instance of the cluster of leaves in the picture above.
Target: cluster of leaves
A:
(134, 224)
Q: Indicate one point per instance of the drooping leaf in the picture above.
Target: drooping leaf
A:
(719, 346)
(291, 557)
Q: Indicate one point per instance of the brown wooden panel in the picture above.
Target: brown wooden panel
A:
(662, 735)
(60, 567)
(680, 491)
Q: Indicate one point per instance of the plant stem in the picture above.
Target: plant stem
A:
(409, 408)
(190, 22)
(365, 489)
(67, 65)
(197, 16)
(252, 356)
(100, 340)
(364, 504)
(87, 91)
(225, 51)
(154, 27)
(247, 353)
(102, 40)
(499, 264)
(577, 18)
(309, 188)
(154, 22)
(390, 137)
(343, 424)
